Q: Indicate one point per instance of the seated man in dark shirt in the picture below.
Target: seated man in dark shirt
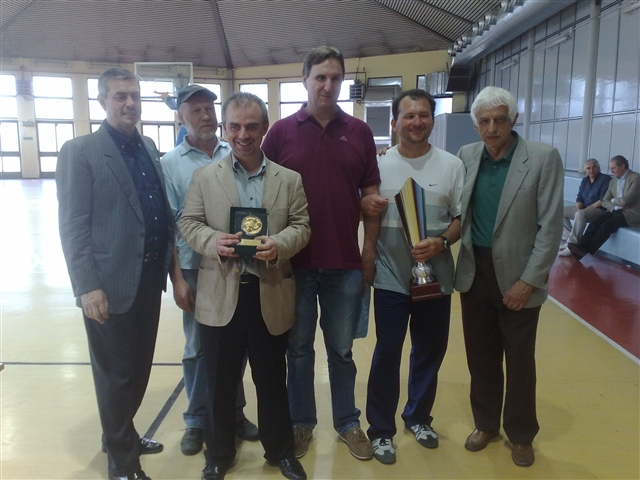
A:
(588, 204)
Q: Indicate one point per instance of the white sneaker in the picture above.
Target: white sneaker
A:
(565, 252)
(425, 435)
(383, 450)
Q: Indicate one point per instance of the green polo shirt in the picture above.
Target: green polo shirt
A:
(486, 194)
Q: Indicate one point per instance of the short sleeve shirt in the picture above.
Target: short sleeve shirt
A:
(335, 163)
(178, 166)
(441, 175)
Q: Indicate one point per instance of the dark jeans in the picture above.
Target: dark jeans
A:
(224, 351)
(599, 231)
(121, 353)
(493, 332)
(429, 330)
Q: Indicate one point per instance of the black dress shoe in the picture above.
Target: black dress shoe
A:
(147, 446)
(246, 430)
(291, 468)
(214, 471)
(139, 475)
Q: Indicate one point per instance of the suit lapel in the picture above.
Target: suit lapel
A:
(116, 164)
(224, 174)
(516, 175)
(271, 187)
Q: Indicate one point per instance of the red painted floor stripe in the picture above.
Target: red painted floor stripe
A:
(603, 293)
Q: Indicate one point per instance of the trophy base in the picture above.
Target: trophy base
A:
(426, 291)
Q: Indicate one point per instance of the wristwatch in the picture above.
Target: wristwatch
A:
(445, 240)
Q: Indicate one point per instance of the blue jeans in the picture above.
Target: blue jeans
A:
(193, 367)
(339, 293)
(429, 330)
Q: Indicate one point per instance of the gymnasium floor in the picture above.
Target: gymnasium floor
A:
(588, 392)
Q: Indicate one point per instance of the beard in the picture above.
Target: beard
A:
(205, 136)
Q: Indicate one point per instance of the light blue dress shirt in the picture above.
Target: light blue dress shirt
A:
(178, 166)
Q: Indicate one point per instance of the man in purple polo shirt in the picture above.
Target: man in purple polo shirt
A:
(336, 156)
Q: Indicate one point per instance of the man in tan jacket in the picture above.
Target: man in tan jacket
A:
(246, 303)
(622, 202)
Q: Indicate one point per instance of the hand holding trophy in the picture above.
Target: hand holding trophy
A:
(251, 223)
(410, 203)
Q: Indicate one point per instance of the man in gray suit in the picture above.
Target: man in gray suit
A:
(116, 229)
(622, 204)
(512, 212)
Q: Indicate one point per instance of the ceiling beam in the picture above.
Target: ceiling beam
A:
(439, 35)
(224, 46)
(424, 3)
(18, 15)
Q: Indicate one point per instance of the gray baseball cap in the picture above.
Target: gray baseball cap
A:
(187, 92)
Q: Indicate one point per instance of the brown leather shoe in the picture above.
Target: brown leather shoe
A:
(479, 440)
(522, 455)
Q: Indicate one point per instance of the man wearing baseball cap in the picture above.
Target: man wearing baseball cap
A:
(200, 147)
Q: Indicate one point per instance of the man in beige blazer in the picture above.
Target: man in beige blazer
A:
(246, 304)
(622, 202)
(512, 212)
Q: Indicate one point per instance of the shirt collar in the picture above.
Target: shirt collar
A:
(185, 147)
(240, 169)
(302, 115)
(119, 137)
(507, 157)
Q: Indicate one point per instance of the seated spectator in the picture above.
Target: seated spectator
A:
(623, 209)
(588, 205)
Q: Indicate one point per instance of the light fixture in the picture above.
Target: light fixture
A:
(630, 7)
(466, 40)
(510, 64)
(556, 42)
(451, 52)
(518, 3)
(506, 6)
(490, 19)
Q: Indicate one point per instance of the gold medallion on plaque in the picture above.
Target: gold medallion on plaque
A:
(251, 225)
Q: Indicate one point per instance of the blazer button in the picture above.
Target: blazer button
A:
(237, 270)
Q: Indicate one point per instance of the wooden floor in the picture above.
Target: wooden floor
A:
(588, 376)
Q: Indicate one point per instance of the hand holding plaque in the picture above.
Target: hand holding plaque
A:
(252, 223)
(410, 203)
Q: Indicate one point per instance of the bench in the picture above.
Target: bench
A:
(624, 244)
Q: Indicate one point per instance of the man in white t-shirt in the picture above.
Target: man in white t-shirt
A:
(441, 175)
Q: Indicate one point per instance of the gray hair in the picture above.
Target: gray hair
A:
(594, 161)
(491, 97)
(117, 73)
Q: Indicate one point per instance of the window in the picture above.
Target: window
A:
(8, 103)
(215, 88)
(293, 95)
(53, 98)
(96, 112)
(53, 101)
(9, 147)
(9, 134)
(260, 90)
(157, 120)
(51, 137)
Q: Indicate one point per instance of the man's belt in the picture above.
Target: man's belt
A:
(247, 278)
